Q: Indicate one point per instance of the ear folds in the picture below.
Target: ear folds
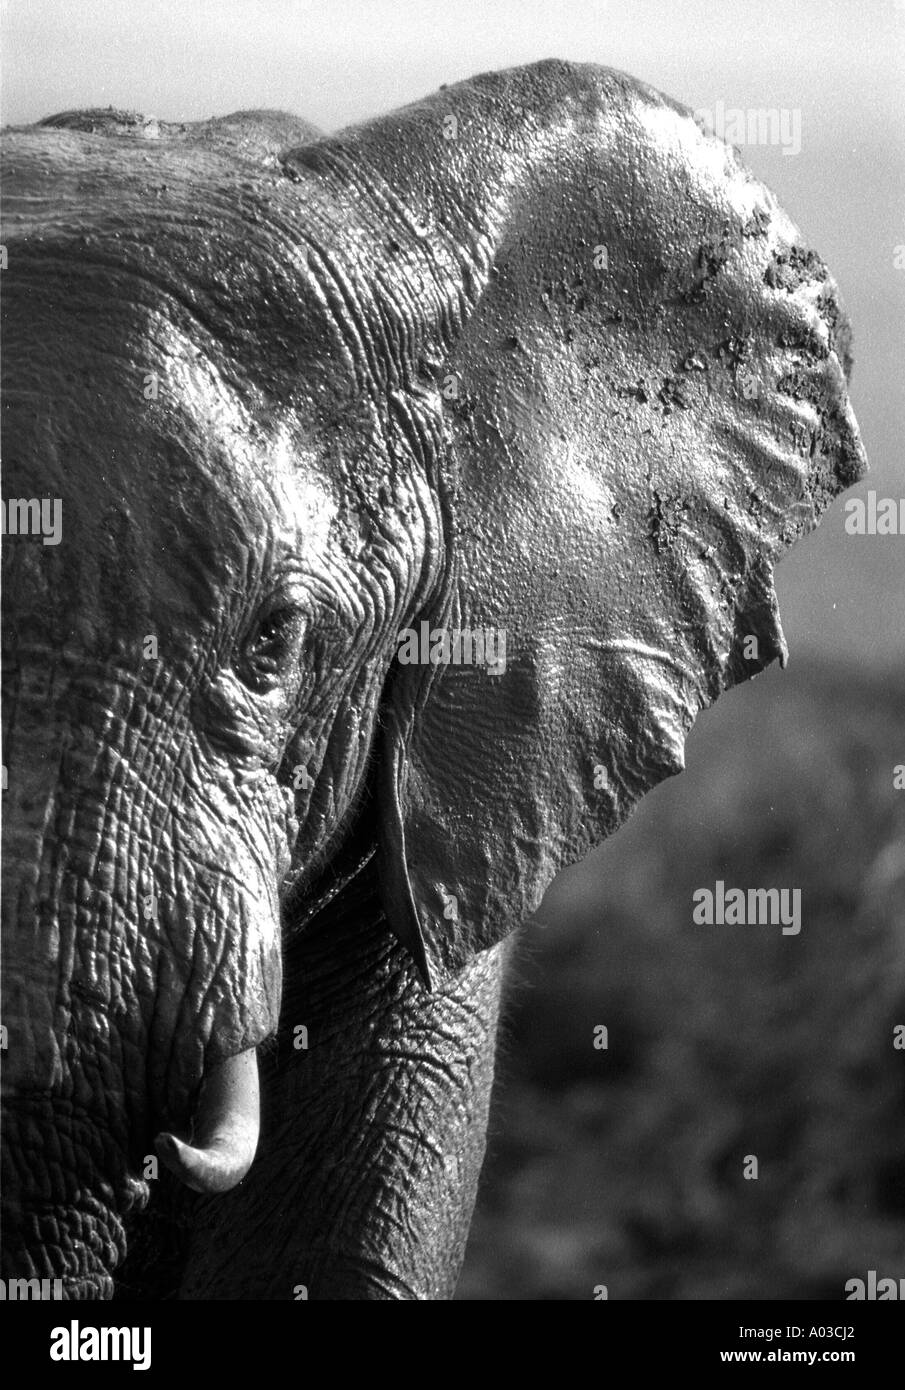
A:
(450, 886)
(403, 903)
(642, 404)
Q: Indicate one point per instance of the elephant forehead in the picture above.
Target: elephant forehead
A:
(174, 288)
(221, 247)
(253, 475)
(178, 507)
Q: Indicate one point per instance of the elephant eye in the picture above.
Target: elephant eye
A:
(272, 646)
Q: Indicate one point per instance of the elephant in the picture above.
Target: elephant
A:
(419, 485)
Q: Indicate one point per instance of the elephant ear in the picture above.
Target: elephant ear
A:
(641, 372)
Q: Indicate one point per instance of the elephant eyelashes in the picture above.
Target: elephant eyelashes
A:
(273, 648)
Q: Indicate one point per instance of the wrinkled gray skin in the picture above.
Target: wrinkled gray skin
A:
(397, 381)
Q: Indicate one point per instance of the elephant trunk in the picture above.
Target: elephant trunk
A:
(142, 968)
(67, 1194)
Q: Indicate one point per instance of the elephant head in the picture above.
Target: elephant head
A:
(419, 485)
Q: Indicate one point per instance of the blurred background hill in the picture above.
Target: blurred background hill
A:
(624, 1167)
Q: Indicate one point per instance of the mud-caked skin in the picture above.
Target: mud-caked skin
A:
(535, 356)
